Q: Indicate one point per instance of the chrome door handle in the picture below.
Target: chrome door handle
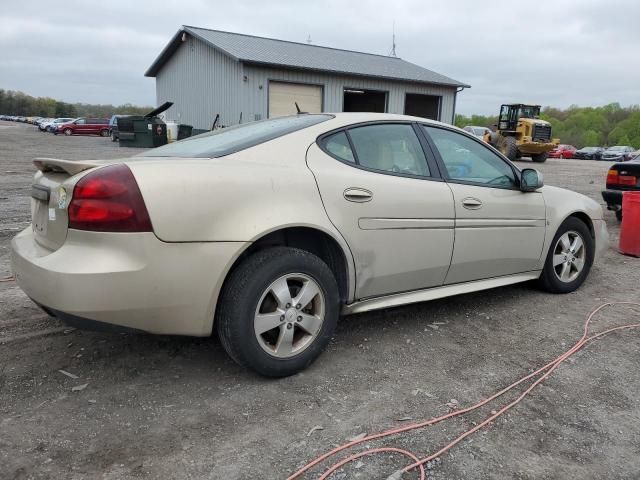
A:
(471, 203)
(359, 195)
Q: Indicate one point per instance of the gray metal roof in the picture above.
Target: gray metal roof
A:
(281, 53)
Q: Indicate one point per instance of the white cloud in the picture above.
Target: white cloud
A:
(557, 53)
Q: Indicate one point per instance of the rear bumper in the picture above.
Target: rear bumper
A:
(613, 199)
(127, 280)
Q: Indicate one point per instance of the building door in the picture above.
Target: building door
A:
(425, 106)
(283, 97)
(356, 100)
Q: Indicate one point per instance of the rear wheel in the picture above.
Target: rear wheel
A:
(278, 310)
(104, 133)
(509, 147)
(540, 157)
(569, 259)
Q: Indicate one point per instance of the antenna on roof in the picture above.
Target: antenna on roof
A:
(309, 39)
(300, 112)
(392, 53)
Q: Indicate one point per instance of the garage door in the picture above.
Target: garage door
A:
(283, 97)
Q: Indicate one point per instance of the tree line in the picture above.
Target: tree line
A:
(21, 104)
(582, 126)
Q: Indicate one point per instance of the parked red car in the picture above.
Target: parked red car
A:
(562, 151)
(85, 126)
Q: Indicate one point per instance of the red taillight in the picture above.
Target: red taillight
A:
(614, 178)
(109, 200)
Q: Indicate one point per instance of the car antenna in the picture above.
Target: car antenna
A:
(300, 112)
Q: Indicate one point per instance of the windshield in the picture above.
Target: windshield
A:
(479, 131)
(233, 139)
(617, 148)
(529, 111)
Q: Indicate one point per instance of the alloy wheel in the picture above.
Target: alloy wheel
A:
(569, 256)
(289, 315)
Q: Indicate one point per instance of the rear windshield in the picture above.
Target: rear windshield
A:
(233, 139)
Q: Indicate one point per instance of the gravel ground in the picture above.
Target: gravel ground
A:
(171, 407)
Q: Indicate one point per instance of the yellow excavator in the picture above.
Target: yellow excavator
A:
(521, 132)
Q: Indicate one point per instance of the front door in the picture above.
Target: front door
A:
(384, 196)
(499, 230)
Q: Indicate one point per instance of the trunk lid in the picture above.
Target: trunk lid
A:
(51, 193)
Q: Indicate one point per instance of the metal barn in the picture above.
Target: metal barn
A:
(241, 78)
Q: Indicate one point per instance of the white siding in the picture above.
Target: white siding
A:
(203, 82)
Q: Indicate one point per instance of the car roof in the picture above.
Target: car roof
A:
(346, 118)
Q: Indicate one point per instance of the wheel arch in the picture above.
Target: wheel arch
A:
(585, 218)
(333, 251)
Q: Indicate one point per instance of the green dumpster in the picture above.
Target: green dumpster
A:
(146, 131)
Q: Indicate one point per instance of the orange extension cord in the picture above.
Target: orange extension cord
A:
(419, 463)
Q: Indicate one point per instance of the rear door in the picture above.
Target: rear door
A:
(499, 229)
(386, 198)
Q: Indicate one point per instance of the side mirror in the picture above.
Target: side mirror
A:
(530, 180)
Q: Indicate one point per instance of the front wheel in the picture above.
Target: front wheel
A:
(509, 147)
(539, 157)
(68, 132)
(569, 259)
(278, 310)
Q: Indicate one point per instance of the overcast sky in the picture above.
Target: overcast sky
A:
(552, 52)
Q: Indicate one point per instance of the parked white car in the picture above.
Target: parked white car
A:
(476, 131)
(53, 122)
(268, 231)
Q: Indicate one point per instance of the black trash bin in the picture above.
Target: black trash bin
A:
(146, 131)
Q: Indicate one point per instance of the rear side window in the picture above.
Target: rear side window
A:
(338, 145)
(233, 139)
(389, 147)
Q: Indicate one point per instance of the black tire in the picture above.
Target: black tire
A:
(619, 215)
(540, 157)
(239, 300)
(104, 133)
(549, 281)
(509, 147)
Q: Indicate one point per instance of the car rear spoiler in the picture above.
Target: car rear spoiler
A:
(68, 166)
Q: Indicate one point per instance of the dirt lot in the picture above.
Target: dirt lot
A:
(169, 407)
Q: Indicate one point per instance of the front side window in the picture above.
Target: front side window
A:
(467, 160)
(391, 148)
(80, 121)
